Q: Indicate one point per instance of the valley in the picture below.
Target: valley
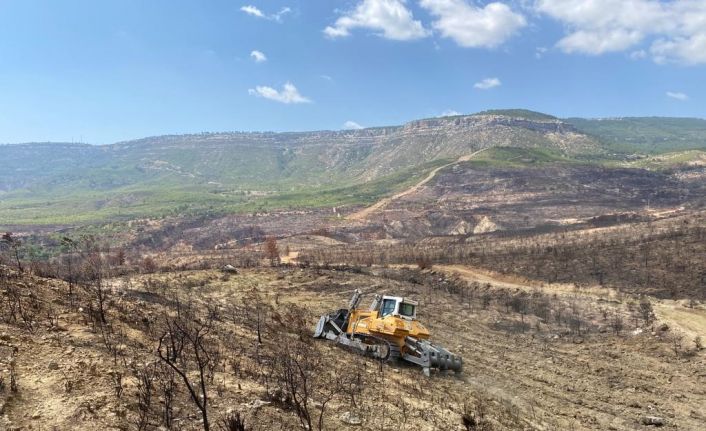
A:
(563, 259)
(373, 215)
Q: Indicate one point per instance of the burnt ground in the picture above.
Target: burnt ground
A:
(539, 354)
(460, 196)
(522, 371)
(462, 199)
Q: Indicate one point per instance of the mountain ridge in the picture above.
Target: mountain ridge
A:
(507, 113)
(222, 171)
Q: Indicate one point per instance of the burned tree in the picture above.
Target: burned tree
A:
(70, 273)
(305, 381)
(185, 346)
(145, 385)
(272, 250)
(14, 246)
(646, 311)
(93, 275)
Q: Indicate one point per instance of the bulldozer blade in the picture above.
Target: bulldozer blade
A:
(328, 328)
(320, 327)
(329, 325)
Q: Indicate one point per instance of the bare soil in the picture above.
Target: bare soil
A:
(525, 372)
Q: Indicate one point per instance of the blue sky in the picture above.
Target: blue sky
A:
(105, 71)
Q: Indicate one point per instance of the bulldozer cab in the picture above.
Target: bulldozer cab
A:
(397, 306)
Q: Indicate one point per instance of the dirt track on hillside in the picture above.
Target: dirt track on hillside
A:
(690, 321)
(365, 212)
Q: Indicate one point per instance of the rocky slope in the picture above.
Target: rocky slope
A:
(311, 158)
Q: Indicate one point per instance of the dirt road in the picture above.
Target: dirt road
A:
(382, 203)
(690, 321)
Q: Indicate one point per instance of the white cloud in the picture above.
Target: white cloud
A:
(352, 125)
(282, 12)
(599, 42)
(326, 77)
(474, 26)
(674, 30)
(487, 84)
(254, 11)
(677, 95)
(540, 51)
(288, 94)
(689, 50)
(258, 56)
(388, 18)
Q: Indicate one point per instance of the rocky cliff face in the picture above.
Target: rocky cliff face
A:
(491, 120)
(452, 137)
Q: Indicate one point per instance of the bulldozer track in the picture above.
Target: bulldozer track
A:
(393, 352)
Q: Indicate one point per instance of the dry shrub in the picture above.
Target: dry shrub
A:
(475, 418)
(233, 422)
(424, 262)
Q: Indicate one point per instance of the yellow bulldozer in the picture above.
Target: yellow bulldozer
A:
(389, 331)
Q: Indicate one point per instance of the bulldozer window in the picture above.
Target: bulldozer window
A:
(388, 307)
(407, 310)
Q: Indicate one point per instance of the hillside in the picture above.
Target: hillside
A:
(645, 134)
(47, 183)
(216, 173)
(540, 351)
(517, 189)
